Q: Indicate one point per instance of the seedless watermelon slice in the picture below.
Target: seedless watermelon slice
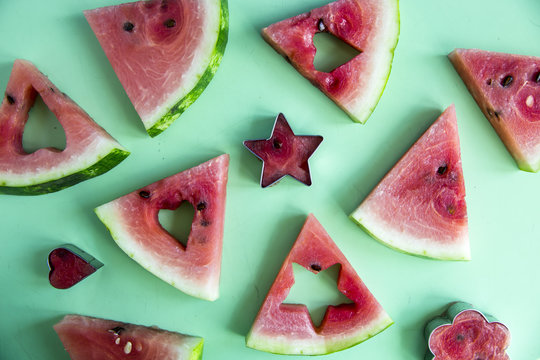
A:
(164, 52)
(419, 206)
(88, 338)
(133, 222)
(507, 90)
(288, 329)
(90, 151)
(369, 26)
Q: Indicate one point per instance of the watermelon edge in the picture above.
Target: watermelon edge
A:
(215, 60)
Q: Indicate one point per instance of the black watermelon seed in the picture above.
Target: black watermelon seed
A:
(277, 144)
(497, 114)
(489, 81)
(144, 194)
(536, 77)
(508, 79)
(52, 89)
(117, 330)
(10, 99)
(201, 206)
(170, 23)
(205, 222)
(460, 337)
(451, 209)
(316, 267)
(442, 169)
(321, 26)
(128, 26)
(164, 5)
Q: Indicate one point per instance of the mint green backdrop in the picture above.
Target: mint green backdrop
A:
(252, 85)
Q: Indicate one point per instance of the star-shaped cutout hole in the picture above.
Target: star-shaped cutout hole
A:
(316, 289)
(284, 153)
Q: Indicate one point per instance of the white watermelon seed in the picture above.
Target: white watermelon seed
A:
(117, 341)
(529, 101)
(127, 348)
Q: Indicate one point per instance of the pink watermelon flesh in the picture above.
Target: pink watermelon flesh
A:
(161, 51)
(284, 153)
(470, 336)
(69, 265)
(89, 151)
(88, 338)
(419, 206)
(288, 328)
(507, 90)
(369, 26)
(133, 222)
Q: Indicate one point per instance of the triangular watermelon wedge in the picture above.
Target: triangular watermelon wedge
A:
(164, 52)
(288, 329)
(419, 206)
(507, 90)
(90, 151)
(369, 26)
(133, 222)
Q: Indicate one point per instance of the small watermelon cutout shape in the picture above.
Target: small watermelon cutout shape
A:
(90, 338)
(288, 329)
(369, 26)
(164, 52)
(90, 151)
(419, 206)
(506, 87)
(134, 225)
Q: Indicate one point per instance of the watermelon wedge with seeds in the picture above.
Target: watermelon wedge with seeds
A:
(89, 338)
(369, 26)
(134, 224)
(288, 329)
(507, 90)
(164, 52)
(90, 151)
(419, 206)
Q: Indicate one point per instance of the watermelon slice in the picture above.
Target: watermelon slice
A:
(90, 151)
(164, 52)
(507, 90)
(288, 328)
(466, 333)
(369, 26)
(133, 222)
(88, 338)
(419, 206)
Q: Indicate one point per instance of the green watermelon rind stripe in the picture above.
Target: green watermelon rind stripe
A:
(109, 161)
(215, 59)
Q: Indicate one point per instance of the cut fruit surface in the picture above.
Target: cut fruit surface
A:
(90, 151)
(133, 222)
(164, 52)
(506, 87)
(369, 26)
(419, 206)
(288, 329)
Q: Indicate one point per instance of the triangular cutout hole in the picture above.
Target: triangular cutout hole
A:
(42, 129)
(331, 52)
(316, 291)
(178, 222)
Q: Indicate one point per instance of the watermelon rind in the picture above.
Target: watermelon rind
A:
(64, 176)
(215, 59)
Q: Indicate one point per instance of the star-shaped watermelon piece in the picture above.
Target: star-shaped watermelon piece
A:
(284, 153)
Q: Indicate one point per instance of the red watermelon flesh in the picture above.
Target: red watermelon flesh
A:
(288, 328)
(133, 222)
(88, 338)
(419, 206)
(507, 90)
(163, 52)
(369, 26)
(89, 151)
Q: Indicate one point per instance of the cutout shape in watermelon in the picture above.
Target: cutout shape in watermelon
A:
(133, 222)
(506, 87)
(164, 52)
(369, 26)
(288, 329)
(90, 151)
(89, 338)
(419, 206)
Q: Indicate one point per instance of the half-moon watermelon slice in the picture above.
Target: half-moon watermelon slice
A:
(419, 206)
(89, 338)
(134, 224)
(164, 52)
(507, 90)
(288, 329)
(90, 151)
(369, 26)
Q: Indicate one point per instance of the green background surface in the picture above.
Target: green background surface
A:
(252, 85)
